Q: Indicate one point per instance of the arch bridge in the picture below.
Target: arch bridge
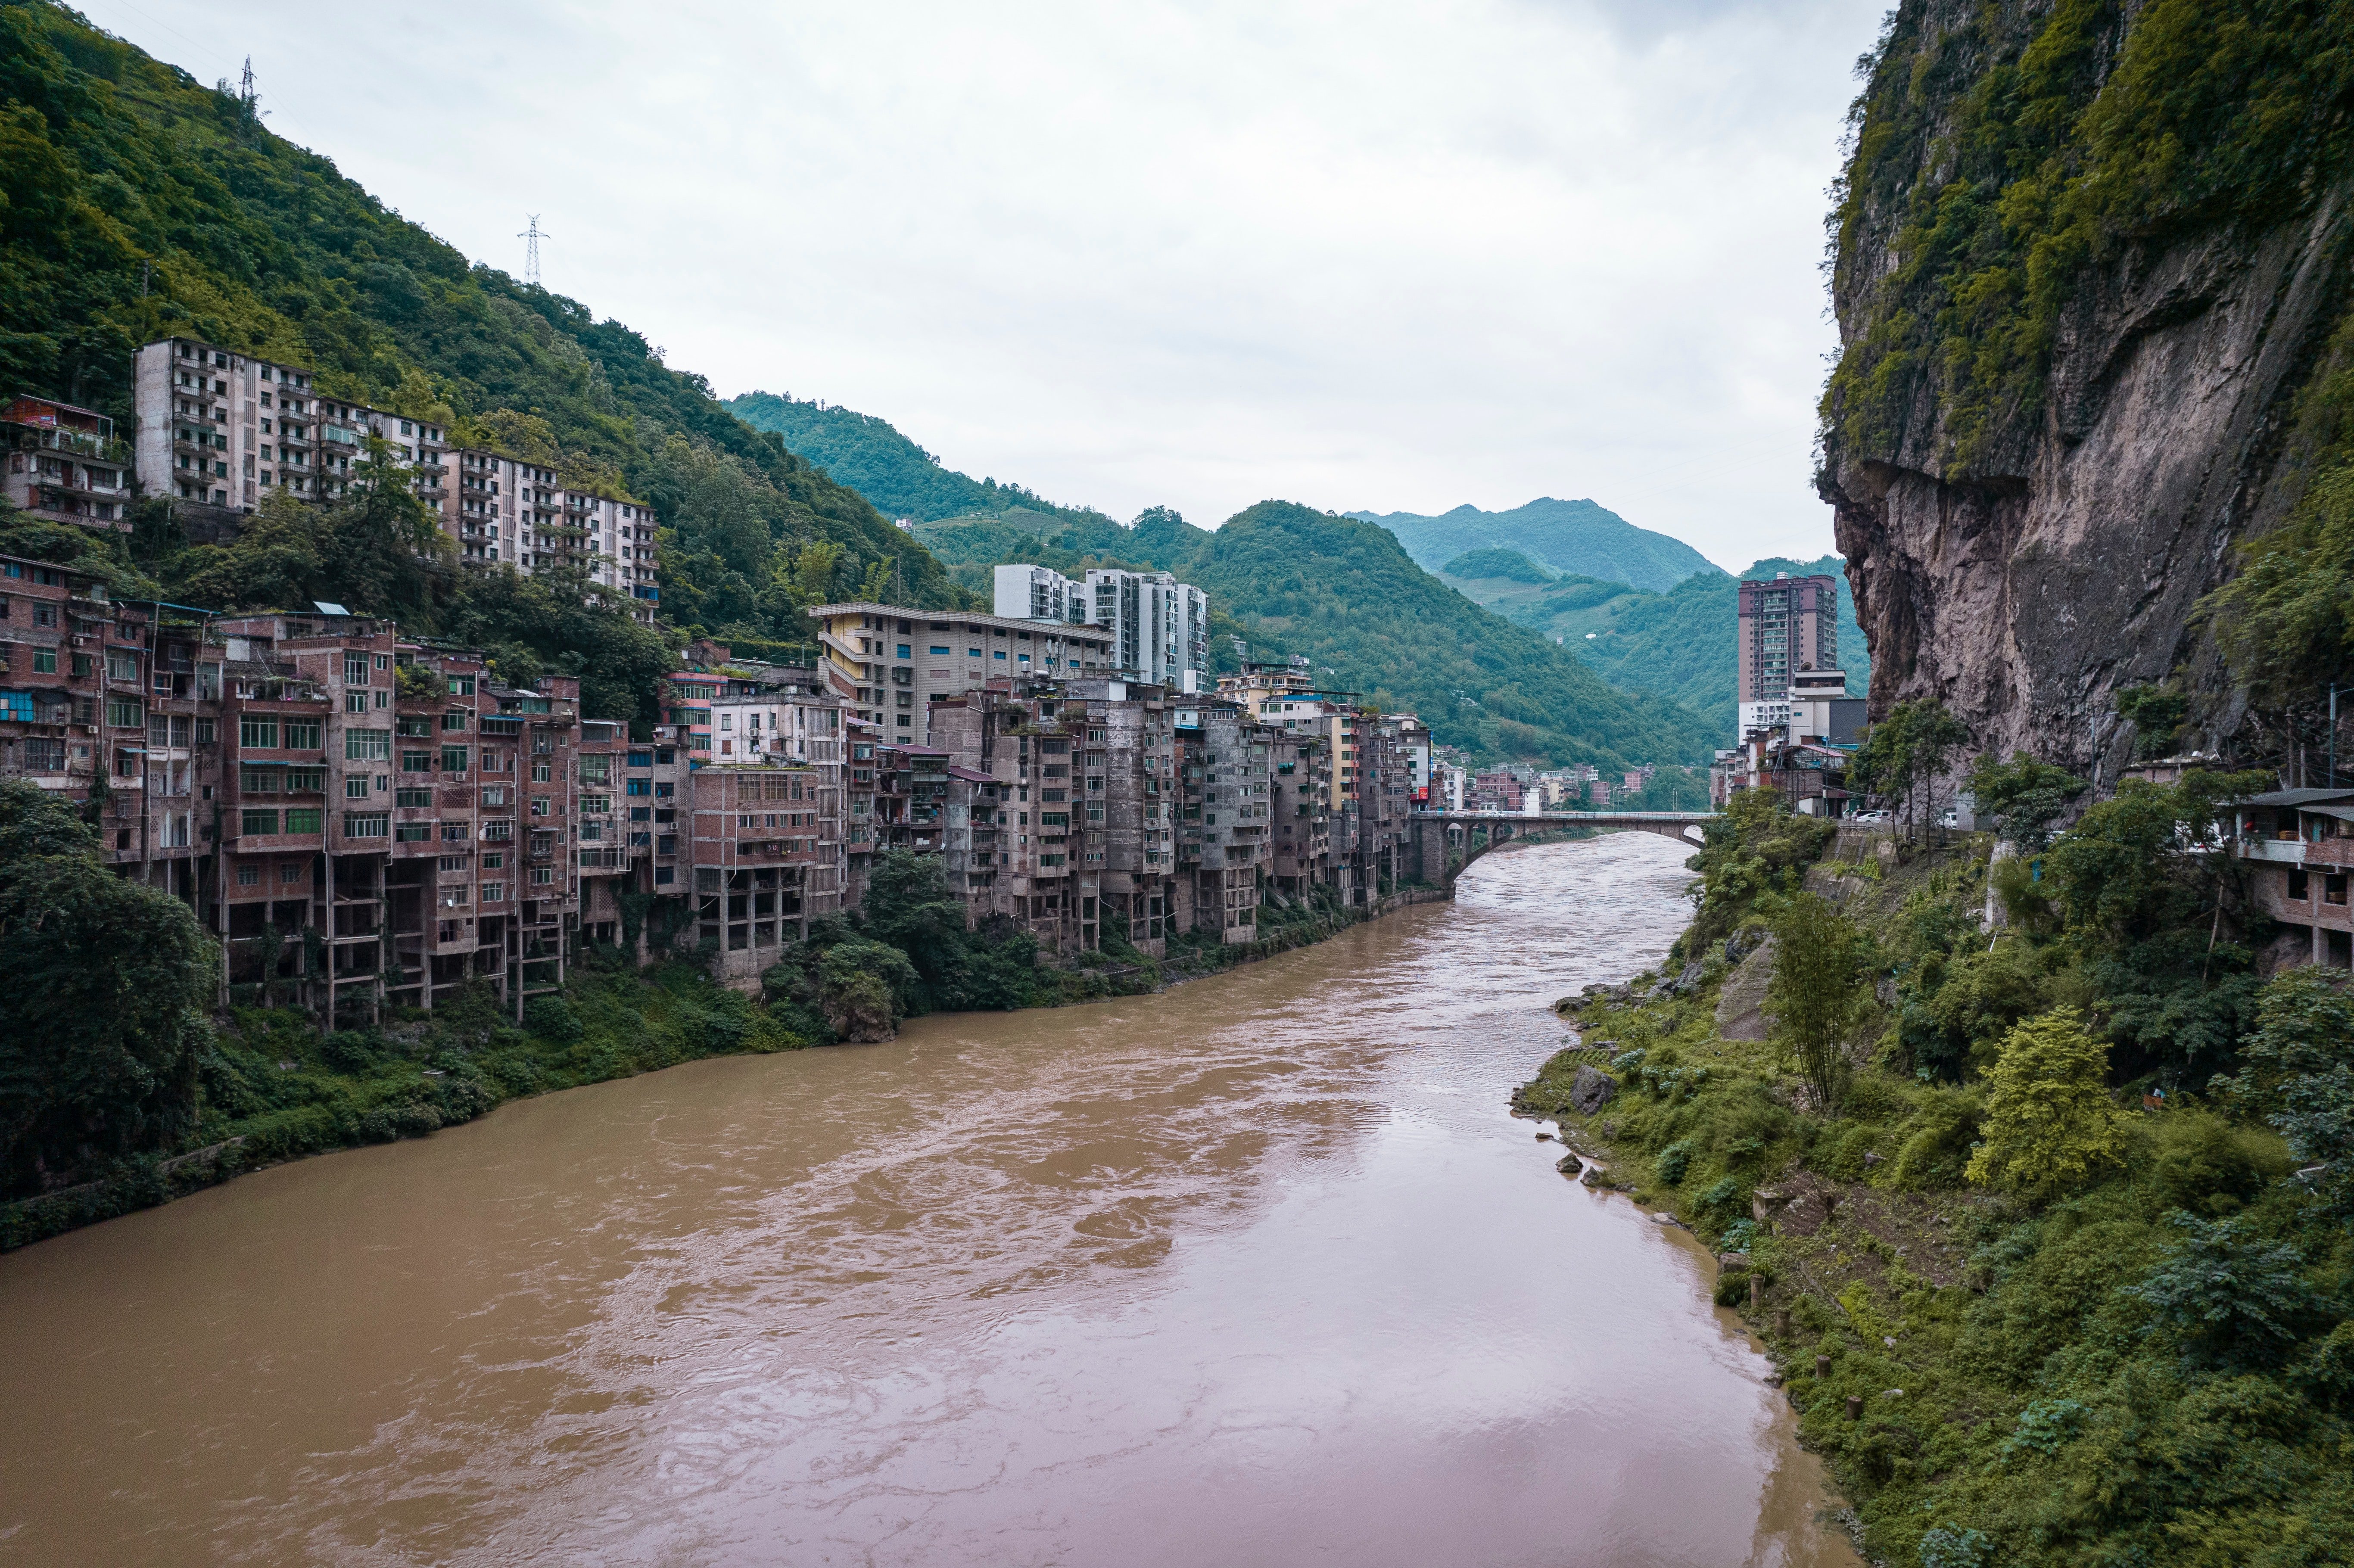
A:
(1443, 845)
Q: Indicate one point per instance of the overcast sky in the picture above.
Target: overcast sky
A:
(1399, 257)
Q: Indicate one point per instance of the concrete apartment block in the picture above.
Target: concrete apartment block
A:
(64, 464)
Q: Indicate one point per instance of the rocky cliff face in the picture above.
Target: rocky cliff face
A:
(2056, 410)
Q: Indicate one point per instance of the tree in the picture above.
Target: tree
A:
(1820, 960)
(102, 986)
(2297, 1071)
(2157, 714)
(2232, 1299)
(2049, 1124)
(2024, 796)
(1903, 757)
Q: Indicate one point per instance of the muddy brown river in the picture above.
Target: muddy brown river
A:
(1256, 1271)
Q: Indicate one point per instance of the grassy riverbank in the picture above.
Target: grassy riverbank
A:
(2025, 1318)
(262, 1084)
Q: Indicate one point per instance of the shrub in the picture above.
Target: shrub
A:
(2050, 1124)
(551, 1019)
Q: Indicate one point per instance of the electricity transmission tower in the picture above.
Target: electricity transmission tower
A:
(535, 234)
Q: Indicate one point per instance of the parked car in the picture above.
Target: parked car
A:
(1869, 819)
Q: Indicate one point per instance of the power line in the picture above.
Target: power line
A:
(535, 234)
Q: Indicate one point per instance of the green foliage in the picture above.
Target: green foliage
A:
(2157, 714)
(139, 204)
(1497, 562)
(2228, 1297)
(873, 458)
(1343, 593)
(2165, 928)
(2049, 1124)
(2287, 620)
(1681, 644)
(1819, 961)
(1905, 754)
(103, 985)
(2296, 1072)
(2024, 798)
(2005, 155)
(1751, 858)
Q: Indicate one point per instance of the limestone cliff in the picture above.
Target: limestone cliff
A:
(2091, 264)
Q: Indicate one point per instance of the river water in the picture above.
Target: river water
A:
(1256, 1271)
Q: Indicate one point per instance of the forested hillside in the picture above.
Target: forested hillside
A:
(1684, 643)
(1579, 536)
(139, 204)
(872, 457)
(1343, 593)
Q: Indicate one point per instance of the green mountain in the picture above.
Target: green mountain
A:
(1344, 594)
(1684, 644)
(872, 457)
(1509, 566)
(136, 203)
(1576, 536)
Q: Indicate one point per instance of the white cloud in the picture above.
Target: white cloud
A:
(1391, 256)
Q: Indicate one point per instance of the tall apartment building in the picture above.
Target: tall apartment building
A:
(64, 464)
(360, 817)
(1160, 626)
(1786, 625)
(889, 664)
(225, 429)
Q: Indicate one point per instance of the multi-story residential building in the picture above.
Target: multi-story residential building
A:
(889, 664)
(64, 464)
(2301, 844)
(361, 819)
(1786, 625)
(224, 429)
(1160, 626)
(53, 631)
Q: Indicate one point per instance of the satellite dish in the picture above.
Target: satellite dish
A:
(324, 607)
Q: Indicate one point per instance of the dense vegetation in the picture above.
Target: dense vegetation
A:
(1577, 536)
(871, 456)
(1684, 644)
(1496, 562)
(2024, 148)
(135, 204)
(1343, 594)
(2055, 1326)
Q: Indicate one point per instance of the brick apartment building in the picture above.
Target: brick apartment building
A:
(64, 464)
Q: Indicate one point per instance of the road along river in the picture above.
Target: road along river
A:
(1258, 1270)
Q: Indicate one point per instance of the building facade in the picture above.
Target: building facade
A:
(64, 464)
(1786, 625)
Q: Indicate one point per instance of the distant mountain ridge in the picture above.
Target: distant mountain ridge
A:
(1343, 593)
(1582, 538)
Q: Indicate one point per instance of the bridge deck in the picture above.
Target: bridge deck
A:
(1588, 819)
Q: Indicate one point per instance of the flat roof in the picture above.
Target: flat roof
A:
(949, 620)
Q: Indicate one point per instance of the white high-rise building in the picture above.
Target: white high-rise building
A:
(1160, 626)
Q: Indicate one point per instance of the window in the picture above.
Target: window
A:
(306, 781)
(121, 714)
(596, 769)
(356, 702)
(541, 876)
(904, 653)
(417, 762)
(639, 786)
(493, 892)
(257, 821)
(248, 875)
(453, 759)
(122, 666)
(461, 686)
(258, 780)
(290, 873)
(456, 832)
(493, 798)
(539, 805)
(207, 733)
(302, 735)
(356, 669)
(453, 720)
(304, 818)
(940, 653)
(356, 787)
(539, 773)
(493, 859)
(412, 833)
(258, 734)
(365, 824)
(368, 745)
(410, 798)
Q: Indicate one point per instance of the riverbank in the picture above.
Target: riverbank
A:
(274, 1088)
(2141, 1355)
